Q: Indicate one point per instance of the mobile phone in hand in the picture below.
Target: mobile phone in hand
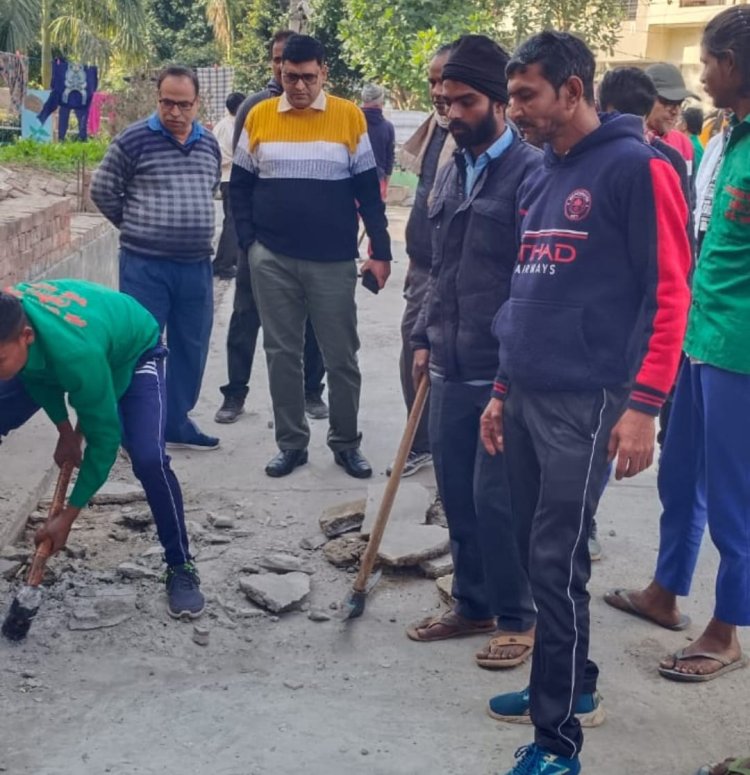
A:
(370, 282)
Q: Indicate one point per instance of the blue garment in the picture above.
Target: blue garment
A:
(143, 420)
(599, 295)
(72, 88)
(489, 579)
(495, 151)
(704, 477)
(159, 192)
(197, 131)
(179, 295)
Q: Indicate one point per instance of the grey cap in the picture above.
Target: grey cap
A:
(669, 83)
(371, 92)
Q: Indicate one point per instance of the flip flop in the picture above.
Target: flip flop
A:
(449, 625)
(620, 599)
(727, 665)
(485, 659)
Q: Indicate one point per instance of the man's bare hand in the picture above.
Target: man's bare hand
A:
(57, 528)
(420, 367)
(68, 448)
(491, 427)
(632, 443)
(381, 270)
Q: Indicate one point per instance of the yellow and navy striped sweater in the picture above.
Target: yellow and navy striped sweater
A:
(300, 176)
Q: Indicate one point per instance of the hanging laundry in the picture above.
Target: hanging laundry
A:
(14, 71)
(73, 87)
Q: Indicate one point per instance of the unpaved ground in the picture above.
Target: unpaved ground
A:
(283, 695)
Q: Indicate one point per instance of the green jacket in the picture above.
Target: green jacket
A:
(720, 312)
(88, 341)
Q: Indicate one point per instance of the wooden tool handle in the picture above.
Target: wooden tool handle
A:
(44, 550)
(389, 496)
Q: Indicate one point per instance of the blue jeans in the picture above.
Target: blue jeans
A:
(179, 294)
(704, 478)
(143, 420)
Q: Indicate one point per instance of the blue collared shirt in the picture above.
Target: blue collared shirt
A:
(474, 167)
(154, 123)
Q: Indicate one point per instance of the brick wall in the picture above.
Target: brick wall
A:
(35, 234)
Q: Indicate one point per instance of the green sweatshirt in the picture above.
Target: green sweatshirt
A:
(720, 312)
(88, 341)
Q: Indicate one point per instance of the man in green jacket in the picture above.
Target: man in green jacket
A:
(101, 350)
(703, 477)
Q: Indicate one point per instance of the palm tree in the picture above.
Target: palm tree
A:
(89, 30)
(218, 13)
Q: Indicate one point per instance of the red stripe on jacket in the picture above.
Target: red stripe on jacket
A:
(672, 295)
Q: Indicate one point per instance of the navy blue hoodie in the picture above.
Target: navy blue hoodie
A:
(599, 294)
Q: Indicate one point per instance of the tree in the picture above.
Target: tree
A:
(93, 31)
(391, 41)
(325, 25)
(180, 32)
(250, 51)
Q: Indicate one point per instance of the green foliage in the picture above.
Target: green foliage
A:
(391, 41)
(56, 157)
(259, 22)
(327, 16)
(179, 32)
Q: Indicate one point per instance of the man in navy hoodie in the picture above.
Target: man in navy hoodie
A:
(589, 346)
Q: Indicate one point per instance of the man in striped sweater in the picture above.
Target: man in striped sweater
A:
(156, 185)
(303, 170)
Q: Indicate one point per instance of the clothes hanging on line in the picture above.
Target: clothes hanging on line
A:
(73, 87)
(14, 71)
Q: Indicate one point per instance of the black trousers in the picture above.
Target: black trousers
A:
(489, 581)
(242, 337)
(228, 252)
(556, 455)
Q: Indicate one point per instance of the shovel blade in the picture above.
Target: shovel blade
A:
(354, 605)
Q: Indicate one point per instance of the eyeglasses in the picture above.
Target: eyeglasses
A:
(309, 79)
(168, 105)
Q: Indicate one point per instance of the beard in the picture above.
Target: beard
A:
(467, 136)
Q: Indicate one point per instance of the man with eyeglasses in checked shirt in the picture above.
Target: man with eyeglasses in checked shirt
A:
(156, 184)
(303, 170)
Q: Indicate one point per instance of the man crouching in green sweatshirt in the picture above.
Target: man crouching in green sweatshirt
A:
(101, 349)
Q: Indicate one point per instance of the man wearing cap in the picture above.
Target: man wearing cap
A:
(381, 132)
(671, 92)
(473, 214)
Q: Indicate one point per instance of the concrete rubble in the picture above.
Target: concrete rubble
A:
(94, 609)
(437, 567)
(345, 550)
(283, 563)
(277, 593)
(343, 518)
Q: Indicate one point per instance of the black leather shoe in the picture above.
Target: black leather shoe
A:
(354, 463)
(286, 461)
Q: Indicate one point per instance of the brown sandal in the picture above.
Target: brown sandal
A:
(448, 625)
(486, 659)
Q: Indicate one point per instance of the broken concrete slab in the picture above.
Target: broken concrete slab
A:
(118, 493)
(135, 520)
(221, 523)
(9, 569)
(345, 550)
(437, 567)
(445, 589)
(409, 507)
(311, 543)
(412, 544)
(277, 592)
(134, 572)
(93, 609)
(343, 518)
(283, 563)
(17, 553)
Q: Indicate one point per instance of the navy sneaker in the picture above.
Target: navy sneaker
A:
(186, 600)
(534, 760)
(197, 441)
(514, 708)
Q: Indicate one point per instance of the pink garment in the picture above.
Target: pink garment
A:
(101, 103)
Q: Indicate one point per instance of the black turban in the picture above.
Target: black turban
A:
(480, 63)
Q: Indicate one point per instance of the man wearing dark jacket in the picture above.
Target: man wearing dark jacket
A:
(590, 340)
(381, 132)
(473, 217)
(244, 325)
(427, 151)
